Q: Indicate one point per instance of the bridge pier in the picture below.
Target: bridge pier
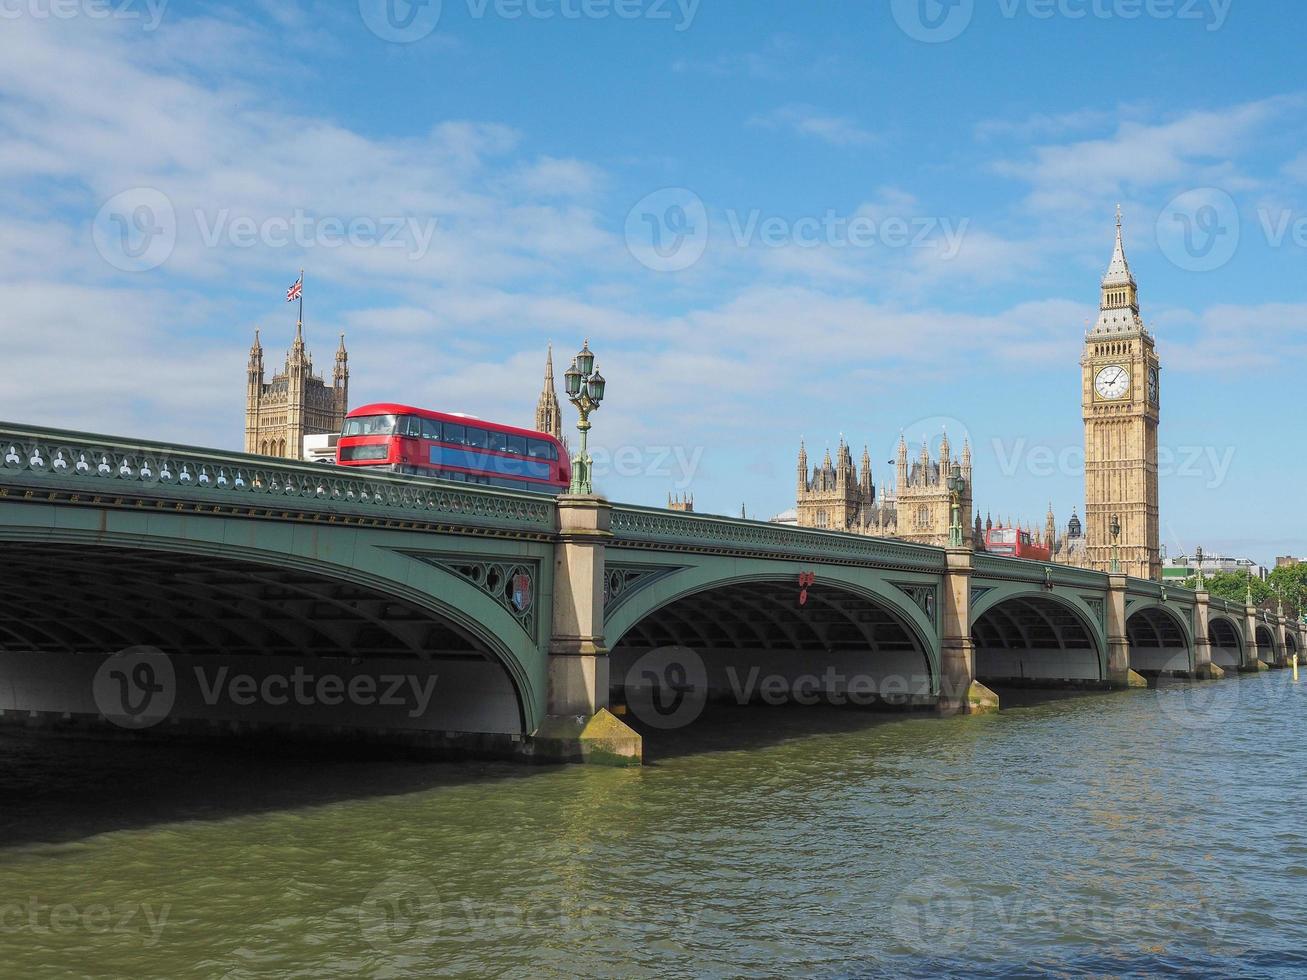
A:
(1119, 673)
(579, 726)
(959, 691)
(1203, 666)
(1281, 639)
(1253, 657)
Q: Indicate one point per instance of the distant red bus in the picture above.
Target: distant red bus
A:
(1016, 543)
(417, 442)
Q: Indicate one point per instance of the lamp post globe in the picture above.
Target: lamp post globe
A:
(585, 360)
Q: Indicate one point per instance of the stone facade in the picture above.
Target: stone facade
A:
(1121, 398)
(295, 403)
(549, 415)
(838, 495)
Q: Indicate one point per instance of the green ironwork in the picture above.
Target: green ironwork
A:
(585, 390)
(661, 529)
(79, 468)
(955, 487)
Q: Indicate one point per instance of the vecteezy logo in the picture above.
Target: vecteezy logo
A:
(135, 688)
(933, 21)
(1199, 230)
(401, 908)
(668, 687)
(667, 231)
(1195, 705)
(136, 231)
(934, 915)
(401, 21)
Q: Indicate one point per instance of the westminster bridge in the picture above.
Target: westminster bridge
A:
(163, 588)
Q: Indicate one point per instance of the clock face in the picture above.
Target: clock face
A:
(1112, 382)
(1154, 395)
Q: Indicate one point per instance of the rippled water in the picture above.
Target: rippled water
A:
(1139, 833)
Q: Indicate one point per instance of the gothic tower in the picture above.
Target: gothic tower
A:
(295, 403)
(549, 417)
(1121, 396)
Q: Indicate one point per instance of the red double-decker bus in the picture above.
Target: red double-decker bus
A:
(403, 439)
(1015, 542)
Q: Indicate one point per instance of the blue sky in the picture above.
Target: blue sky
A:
(773, 221)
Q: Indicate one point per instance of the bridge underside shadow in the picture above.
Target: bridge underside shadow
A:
(754, 643)
(1158, 644)
(1227, 645)
(1035, 641)
(241, 645)
(1268, 649)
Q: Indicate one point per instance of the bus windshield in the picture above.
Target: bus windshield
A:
(370, 425)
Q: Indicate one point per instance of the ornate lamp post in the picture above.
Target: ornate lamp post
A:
(1248, 600)
(1198, 560)
(1115, 528)
(585, 390)
(955, 487)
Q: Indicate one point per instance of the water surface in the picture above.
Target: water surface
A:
(1138, 833)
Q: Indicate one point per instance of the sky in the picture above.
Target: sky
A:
(773, 221)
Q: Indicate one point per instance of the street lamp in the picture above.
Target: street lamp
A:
(585, 390)
(1198, 560)
(956, 484)
(1248, 600)
(1116, 547)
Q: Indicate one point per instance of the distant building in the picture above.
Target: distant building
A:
(788, 517)
(295, 403)
(682, 502)
(1287, 561)
(321, 448)
(1182, 567)
(839, 496)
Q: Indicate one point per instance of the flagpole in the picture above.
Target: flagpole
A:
(300, 328)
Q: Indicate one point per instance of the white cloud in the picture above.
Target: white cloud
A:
(1193, 148)
(808, 121)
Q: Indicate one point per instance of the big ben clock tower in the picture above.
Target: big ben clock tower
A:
(1121, 394)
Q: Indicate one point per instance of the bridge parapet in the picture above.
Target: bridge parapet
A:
(1022, 569)
(671, 531)
(75, 467)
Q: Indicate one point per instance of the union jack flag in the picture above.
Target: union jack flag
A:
(295, 291)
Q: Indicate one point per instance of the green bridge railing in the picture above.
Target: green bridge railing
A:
(34, 459)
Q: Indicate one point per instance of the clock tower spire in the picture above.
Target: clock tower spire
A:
(1121, 400)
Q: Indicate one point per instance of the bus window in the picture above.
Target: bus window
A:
(455, 435)
(539, 449)
(495, 441)
(516, 445)
(411, 426)
(431, 429)
(476, 438)
(369, 425)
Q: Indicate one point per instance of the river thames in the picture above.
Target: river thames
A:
(1138, 833)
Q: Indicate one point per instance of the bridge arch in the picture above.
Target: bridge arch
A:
(1226, 639)
(259, 596)
(1268, 645)
(1025, 636)
(748, 625)
(1161, 640)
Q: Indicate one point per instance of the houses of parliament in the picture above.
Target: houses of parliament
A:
(1120, 408)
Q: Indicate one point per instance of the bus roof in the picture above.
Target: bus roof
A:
(395, 408)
